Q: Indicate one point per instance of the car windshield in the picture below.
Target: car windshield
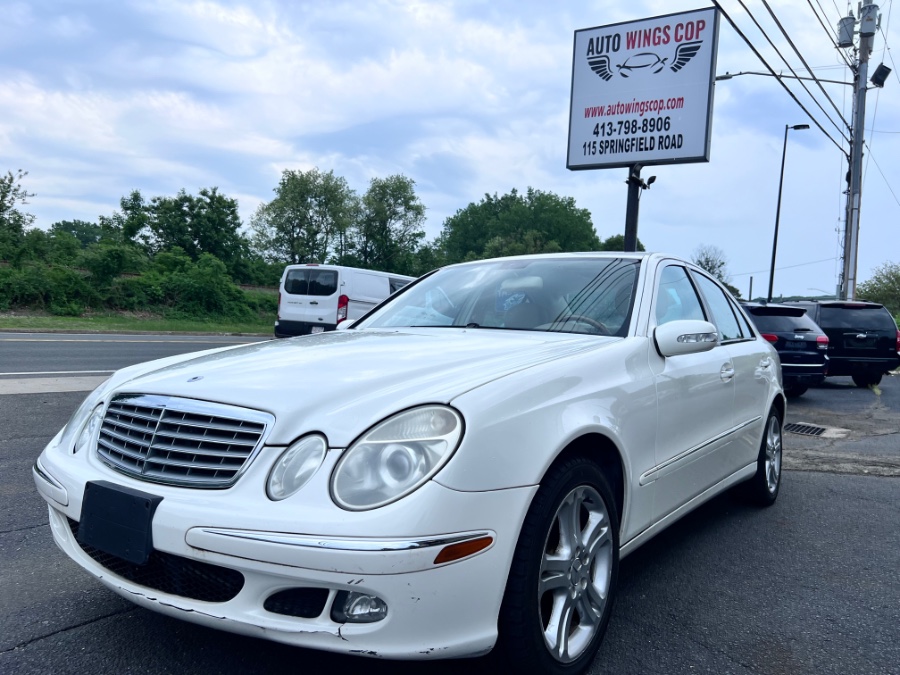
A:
(571, 295)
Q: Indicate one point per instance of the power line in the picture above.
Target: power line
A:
(882, 175)
(774, 74)
(828, 30)
(785, 267)
(794, 72)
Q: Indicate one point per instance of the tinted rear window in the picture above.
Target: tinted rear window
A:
(310, 282)
(856, 318)
(784, 324)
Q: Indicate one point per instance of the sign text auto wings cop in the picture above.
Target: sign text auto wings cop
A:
(642, 91)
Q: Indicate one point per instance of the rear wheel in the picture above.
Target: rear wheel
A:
(763, 488)
(562, 580)
(793, 392)
(866, 379)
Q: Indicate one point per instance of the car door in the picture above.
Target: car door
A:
(755, 366)
(695, 394)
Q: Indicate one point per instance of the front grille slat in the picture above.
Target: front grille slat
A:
(187, 436)
(204, 452)
(165, 461)
(180, 441)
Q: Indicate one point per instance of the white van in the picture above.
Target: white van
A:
(313, 298)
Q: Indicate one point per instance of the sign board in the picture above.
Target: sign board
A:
(642, 91)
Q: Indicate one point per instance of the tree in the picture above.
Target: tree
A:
(536, 222)
(310, 210)
(883, 287)
(617, 243)
(713, 260)
(13, 221)
(390, 226)
(86, 233)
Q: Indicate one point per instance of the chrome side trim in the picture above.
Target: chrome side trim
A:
(342, 544)
(644, 479)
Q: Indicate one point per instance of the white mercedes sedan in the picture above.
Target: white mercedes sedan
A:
(459, 471)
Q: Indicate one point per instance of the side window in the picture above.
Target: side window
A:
(720, 306)
(676, 298)
(745, 325)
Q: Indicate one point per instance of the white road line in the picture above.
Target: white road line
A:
(49, 385)
(136, 342)
(62, 372)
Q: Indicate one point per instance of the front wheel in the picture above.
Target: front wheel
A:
(763, 487)
(562, 580)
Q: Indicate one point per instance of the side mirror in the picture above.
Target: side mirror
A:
(685, 337)
(345, 324)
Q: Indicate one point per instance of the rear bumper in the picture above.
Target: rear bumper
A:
(858, 366)
(291, 328)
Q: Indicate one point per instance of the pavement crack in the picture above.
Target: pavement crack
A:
(23, 529)
(24, 644)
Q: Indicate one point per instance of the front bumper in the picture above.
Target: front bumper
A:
(434, 610)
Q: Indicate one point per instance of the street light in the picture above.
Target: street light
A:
(796, 127)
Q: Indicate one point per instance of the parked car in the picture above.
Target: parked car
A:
(800, 343)
(459, 471)
(863, 340)
(314, 298)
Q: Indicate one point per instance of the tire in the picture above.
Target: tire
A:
(866, 380)
(562, 585)
(763, 488)
(794, 392)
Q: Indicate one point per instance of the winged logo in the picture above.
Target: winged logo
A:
(645, 61)
(685, 53)
(600, 65)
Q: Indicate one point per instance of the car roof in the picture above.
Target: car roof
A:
(774, 309)
(847, 304)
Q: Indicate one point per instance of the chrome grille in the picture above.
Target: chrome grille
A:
(180, 441)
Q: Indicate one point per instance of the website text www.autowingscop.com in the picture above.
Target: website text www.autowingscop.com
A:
(634, 107)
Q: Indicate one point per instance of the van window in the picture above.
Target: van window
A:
(369, 286)
(397, 284)
(310, 282)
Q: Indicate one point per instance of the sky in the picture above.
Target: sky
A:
(466, 98)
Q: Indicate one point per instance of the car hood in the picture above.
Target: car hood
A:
(340, 383)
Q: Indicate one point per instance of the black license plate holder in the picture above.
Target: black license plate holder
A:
(118, 520)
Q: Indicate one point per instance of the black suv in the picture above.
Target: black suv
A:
(863, 338)
(801, 345)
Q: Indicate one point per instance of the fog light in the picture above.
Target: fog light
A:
(353, 607)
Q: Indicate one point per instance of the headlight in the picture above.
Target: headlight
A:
(75, 425)
(90, 431)
(396, 457)
(295, 467)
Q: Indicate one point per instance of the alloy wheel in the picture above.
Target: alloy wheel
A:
(575, 574)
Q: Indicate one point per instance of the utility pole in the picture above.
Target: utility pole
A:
(868, 24)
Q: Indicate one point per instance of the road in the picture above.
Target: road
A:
(807, 586)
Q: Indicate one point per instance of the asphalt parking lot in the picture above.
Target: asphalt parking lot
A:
(809, 586)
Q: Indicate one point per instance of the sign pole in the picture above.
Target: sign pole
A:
(631, 209)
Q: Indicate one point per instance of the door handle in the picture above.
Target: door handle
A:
(727, 372)
(314, 302)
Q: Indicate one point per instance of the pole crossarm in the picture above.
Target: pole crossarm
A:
(780, 76)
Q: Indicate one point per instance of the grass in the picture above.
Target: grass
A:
(128, 322)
